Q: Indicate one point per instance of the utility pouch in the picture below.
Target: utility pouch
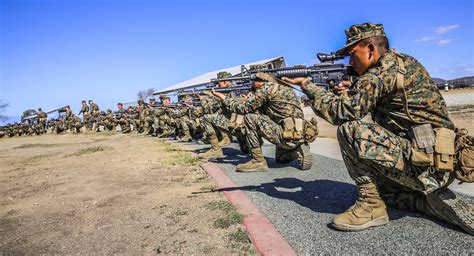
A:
(423, 142)
(311, 130)
(298, 133)
(444, 150)
(236, 121)
(288, 128)
(464, 168)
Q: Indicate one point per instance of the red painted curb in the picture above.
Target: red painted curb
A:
(266, 239)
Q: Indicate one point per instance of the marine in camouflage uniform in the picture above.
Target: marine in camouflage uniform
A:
(183, 118)
(121, 119)
(266, 111)
(215, 119)
(42, 117)
(151, 120)
(142, 110)
(72, 122)
(86, 116)
(377, 155)
(166, 124)
(94, 113)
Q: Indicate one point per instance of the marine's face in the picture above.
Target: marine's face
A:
(360, 58)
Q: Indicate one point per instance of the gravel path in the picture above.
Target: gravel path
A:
(302, 204)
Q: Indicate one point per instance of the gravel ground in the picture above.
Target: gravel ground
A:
(302, 204)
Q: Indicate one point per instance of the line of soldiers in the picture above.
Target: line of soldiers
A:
(392, 160)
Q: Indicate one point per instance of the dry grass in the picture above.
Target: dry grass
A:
(89, 150)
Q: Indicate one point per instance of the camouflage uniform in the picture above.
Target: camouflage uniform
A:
(85, 111)
(42, 117)
(121, 119)
(377, 155)
(216, 119)
(264, 112)
(94, 113)
(142, 110)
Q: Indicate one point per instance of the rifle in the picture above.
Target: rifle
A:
(49, 112)
(178, 104)
(239, 89)
(326, 73)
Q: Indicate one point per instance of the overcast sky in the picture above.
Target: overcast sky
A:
(54, 53)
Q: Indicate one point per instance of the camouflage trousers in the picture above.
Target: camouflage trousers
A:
(87, 120)
(258, 126)
(211, 123)
(372, 153)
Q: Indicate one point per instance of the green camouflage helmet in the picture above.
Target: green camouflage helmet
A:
(163, 96)
(187, 98)
(257, 67)
(358, 32)
(223, 74)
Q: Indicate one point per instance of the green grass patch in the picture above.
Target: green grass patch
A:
(240, 242)
(221, 205)
(231, 216)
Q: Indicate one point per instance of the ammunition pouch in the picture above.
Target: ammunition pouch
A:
(236, 121)
(296, 129)
(433, 147)
(464, 168)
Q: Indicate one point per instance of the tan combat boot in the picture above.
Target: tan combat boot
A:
(187, 137)
(368, 211)
(257, 164)
(215, 151)
(226, 139)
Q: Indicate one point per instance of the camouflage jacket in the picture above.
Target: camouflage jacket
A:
(183, 111)
(42, 114)
(84, 110)
(93, 108)
(275, 100)
(375, 92)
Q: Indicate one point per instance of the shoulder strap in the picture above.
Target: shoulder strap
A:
(400, 79)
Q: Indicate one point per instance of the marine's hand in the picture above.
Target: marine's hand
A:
(219, 95)
(299, 81)
(343, 86)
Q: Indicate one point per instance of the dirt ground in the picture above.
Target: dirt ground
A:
(110, 194)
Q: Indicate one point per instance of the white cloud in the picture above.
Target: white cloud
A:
(444, 41)
(436, 36)
(445, 29)
(426, 39)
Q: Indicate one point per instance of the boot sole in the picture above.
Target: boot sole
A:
(253, 170)
(374, 223)
(306, 161)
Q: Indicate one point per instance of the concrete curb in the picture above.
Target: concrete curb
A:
(265, 237)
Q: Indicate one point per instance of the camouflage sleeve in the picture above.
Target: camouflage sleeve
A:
(177, 113)
(211, 105)
(251, 105)
(354, 105)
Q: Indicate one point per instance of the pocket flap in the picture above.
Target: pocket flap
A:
(444, 141)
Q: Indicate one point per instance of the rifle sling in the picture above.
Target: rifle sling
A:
(400, 79)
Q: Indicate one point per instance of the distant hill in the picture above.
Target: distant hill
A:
(438, 80)
(466, 81)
